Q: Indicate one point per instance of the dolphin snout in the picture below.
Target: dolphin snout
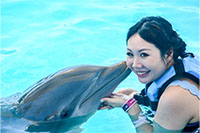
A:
(117, 69)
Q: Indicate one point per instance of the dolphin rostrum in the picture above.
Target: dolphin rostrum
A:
(66, 98)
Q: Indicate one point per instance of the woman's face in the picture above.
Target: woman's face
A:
(144, 59)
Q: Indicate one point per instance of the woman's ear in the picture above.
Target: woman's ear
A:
(169, 56)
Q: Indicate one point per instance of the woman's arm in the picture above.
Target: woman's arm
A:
(172, 113)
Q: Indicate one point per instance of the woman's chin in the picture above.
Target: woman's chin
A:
(143, 81)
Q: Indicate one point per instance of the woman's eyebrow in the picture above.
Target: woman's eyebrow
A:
(140, 49)
(129, 49)
(145, 49)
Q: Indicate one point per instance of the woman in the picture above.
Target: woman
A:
(156, 54)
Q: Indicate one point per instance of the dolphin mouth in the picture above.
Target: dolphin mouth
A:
(125, 70)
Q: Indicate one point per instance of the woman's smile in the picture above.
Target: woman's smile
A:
(142, 74)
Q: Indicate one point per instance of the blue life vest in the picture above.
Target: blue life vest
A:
(187, 67)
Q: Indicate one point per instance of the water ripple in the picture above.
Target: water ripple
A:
(7, 52)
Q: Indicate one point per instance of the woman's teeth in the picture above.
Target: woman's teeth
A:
(141, 73)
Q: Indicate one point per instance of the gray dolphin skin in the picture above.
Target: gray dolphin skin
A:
(64, 100)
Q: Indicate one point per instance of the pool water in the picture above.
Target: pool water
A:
(41, 37)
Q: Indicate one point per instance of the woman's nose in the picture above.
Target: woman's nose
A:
(136, 63)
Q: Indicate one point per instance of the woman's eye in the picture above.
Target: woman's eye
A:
(129, 54)
(144, 55)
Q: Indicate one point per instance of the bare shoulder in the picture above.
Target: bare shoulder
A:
(175, 96)
(173, 111)
(179, 97)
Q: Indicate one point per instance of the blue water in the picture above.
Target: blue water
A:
(39, 37)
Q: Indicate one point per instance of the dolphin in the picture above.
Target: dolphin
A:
(64, 100)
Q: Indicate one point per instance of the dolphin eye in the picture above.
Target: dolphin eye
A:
(64, 114)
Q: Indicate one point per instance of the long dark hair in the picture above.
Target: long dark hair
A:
(159, 32)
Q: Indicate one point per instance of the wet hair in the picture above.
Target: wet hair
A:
(159, 32)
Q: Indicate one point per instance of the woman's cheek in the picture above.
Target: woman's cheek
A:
(128, 62)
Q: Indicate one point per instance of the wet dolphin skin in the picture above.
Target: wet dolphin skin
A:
(69, 94)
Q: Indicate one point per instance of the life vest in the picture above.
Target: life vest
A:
(187, 67)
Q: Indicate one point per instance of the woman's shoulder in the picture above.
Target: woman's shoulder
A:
(174, 96)
(172, 112)
(186, 86)
(180, 100)
(176, 107)
(181, 91)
